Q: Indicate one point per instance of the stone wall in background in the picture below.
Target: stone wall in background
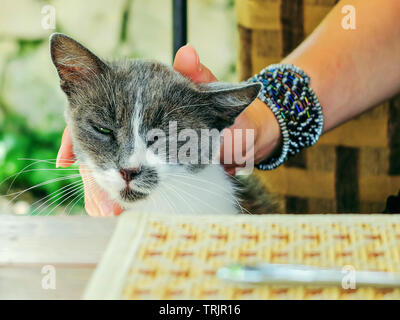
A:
(112, 29)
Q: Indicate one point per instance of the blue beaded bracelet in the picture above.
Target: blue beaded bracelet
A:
(287, 93)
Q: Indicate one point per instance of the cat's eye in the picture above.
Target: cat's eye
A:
(102, 130)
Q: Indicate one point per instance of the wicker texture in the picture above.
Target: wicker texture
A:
(177, 257)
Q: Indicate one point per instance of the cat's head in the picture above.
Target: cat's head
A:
(133, 122)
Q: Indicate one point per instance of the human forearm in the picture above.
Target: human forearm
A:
(353, 70)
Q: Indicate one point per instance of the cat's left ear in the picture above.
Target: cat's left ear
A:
(229, 100)
(73, 61)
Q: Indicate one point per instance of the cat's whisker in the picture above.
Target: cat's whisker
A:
(55, 198)
(170, 187)
(76, 198)
(90, 186)
(45, 169)
(235, 201)
(24, 170)
(59, 192)
(176, 192)
(196, 178)
(51, 161)
(54, 192)
(16, 175)
(18, 193)
(73, 195)
(168, 201)
(70, 193)
(208, 191)
(75, 203)
(183, 175)
(72, 176)
(197, 198)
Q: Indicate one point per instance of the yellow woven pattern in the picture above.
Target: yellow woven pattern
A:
(177, 258)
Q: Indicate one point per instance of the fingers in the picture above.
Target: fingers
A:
(97, 202)
(187, 63)
(239, 141)
(65, 156)
(250, 146)
(237, 148)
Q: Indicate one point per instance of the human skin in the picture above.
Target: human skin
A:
(350, 70)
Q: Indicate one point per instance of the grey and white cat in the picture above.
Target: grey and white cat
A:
(113, 106)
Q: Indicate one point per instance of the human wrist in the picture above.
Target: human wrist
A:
(269, 137)
(286, 91)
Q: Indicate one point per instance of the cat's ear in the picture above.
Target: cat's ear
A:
(229, 100)
(73, 61)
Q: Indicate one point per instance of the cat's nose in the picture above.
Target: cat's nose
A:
(129, 174)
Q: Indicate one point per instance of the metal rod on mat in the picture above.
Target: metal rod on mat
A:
(179, 17)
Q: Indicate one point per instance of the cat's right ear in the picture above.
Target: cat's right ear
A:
(73, 61)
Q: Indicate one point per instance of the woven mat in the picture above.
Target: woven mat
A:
(164, 257)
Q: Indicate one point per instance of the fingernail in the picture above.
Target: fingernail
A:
(58, 159)
(198, 62)
(197, 57)
(105, 208)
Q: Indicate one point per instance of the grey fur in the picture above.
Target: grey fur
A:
(112, 94)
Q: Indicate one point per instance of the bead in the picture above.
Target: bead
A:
(287, 93)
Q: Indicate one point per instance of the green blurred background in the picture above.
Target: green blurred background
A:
(32, 105)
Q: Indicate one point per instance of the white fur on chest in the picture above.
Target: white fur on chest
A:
(206, 192)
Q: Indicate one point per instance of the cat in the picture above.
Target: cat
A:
(112, 108)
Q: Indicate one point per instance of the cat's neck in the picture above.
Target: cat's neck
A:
(208, 191)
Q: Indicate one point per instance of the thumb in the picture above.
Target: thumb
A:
(65, 156)
(187, 63)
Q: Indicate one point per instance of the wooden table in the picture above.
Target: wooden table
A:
(73, 245)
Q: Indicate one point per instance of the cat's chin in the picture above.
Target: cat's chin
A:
(129, 195)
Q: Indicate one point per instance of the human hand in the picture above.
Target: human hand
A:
(97, 202)
(257, 116)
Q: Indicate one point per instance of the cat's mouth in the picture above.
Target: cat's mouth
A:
(130, 195)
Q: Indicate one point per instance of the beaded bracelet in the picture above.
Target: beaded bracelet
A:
(287, 93)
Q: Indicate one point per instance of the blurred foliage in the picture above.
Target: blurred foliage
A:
(26, 46)
(16, 142)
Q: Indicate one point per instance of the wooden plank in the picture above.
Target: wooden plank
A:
(26, 283)
(73, 245)
(306, 184)
(258, 14)
(360, 132)
(53, 240)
